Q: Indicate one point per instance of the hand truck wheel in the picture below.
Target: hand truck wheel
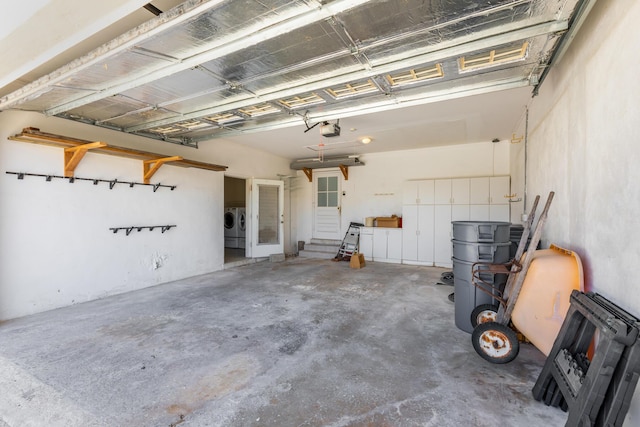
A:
(495, 342)
(484, 313)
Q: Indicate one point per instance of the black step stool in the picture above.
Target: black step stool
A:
(596, 393)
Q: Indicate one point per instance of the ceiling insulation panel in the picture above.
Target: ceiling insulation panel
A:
(279, 53)
(177, 86)
(107, 108)
(203, 100)
(137, 116)
(51, 95)
(258, 65)
(208, 29)
(115, 69)
(298, 78)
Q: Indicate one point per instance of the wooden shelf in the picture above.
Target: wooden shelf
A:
(34, 136)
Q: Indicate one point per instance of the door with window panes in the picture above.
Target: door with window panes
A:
(326, 215)
(265, 218)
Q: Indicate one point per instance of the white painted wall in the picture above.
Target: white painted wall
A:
(55, 245)
(584, 145)
(375, 189)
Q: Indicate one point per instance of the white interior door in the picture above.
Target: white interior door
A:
(326, 207)
(265, 218)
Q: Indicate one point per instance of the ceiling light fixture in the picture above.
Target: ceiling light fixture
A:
(366, 140)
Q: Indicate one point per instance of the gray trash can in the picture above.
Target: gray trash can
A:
(476, 241)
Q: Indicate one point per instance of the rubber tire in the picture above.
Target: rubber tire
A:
(495, 342)
(483, 310)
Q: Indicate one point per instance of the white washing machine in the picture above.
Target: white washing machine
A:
(242, 227)
(231, 222)
(231, 227)
(242, 222)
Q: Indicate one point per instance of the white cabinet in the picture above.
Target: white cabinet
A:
(460, 213)
(479, 212)
(460, 199)
(365, 246)
(417, 234)
(460, 191)
(429, 206)
(387, 245)
(479, 191)
(487, 199)
(418, 192)
(442, 236)
(499, 186)
(499, 213)
(442, 193)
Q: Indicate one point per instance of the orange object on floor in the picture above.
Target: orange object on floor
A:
(544, 299)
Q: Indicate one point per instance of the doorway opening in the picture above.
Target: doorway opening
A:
(235, 220)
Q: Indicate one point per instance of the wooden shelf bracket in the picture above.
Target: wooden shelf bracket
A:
(73, 156)
(150, 167)
(34, 136)
(345, 171)
(309, 173)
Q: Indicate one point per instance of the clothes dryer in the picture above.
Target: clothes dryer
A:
(242, 227)
(242, 222)
(231, 222)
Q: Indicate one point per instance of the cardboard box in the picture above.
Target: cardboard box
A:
(388, 222)
(357, 260)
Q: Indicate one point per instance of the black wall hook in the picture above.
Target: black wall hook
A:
(95, 181)
(128, 230)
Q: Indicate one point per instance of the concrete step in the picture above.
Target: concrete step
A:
(318, 255)
(320, 248)
(329, 242)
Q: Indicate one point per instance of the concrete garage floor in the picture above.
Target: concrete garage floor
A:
(299, 343)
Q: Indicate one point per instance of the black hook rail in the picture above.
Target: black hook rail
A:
(112, 183)
(128, 230)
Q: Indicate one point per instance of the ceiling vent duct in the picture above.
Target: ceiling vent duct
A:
(328, 162)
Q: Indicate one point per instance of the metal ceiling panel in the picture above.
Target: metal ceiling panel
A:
(207, 100)
(198, 34)
(106, 108)
(176, 86)
(115, 69)
(94, 78)
(298, 77)
(53, 95)
(278, 55)
(255, 65)
(457, 29)
(137, 116)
